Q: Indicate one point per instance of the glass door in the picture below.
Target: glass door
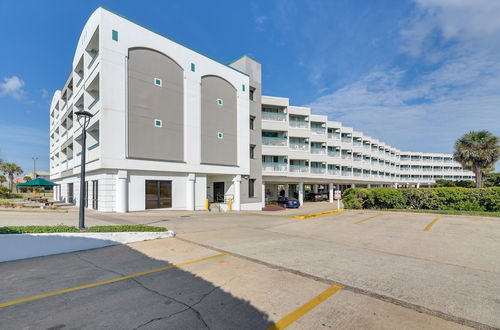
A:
(158, 194)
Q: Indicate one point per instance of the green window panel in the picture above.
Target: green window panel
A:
(114, 35)
(193, 67)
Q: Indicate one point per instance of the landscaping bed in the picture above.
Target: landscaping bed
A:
(71, 229)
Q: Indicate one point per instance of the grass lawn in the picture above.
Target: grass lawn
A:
(455, 212)
(71, 229)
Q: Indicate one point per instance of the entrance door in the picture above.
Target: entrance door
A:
(95, 192)
(70, 193)
(158, 194)
(219, 192)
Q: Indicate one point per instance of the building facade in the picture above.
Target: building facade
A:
(172, 128)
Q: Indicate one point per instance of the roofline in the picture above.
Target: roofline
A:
(161, 35)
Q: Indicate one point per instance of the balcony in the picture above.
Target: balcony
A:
(274, 116)
(298, 123)
(299, 146)
(333, 171)
(334, 154)
(274, 141)
(318, 130)
(346, 140)
(318, 170)
(346, 173)
(299, 168)
(274, 167)
(334, 136)
(318, 150)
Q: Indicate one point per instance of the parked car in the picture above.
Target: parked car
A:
(316, 197)
(288, 202)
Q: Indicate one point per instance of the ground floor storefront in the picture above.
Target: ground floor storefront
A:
(129, 191)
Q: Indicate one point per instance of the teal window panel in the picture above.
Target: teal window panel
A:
(114, 35)
(193, 67)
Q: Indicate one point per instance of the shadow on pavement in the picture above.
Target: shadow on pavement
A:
(173, 299)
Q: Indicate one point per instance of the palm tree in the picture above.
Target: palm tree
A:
(27, 178)
(2, 179)
(477, 151)
(11, 169)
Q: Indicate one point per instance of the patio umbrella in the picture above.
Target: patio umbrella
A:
(38, 182)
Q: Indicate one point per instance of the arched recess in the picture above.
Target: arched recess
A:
(219, 140)
(155, 106)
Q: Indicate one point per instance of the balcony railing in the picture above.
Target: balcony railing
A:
(297, 123)
(335, 136)
(346, 140)
(301, 168)
(318, 150)
(274, 141)
(346, 156)
(94, 102)
(275, 116)
(346, 173)
(93, 59)
(333, 171)
(299, 146)
(357, 143)
(274, 167)
(333, 154)
(318, 170)
(318, 130)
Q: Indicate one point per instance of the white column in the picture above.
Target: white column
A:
(395, 185)
(287, 188)
(418, 184)
(330, 191)
(190, 183)
(237, 193)
(263, 194)
(301, 193)
(353, 185)
(315, 188)
(368, 185)
(121, 192)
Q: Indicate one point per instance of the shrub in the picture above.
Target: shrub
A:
(71, 229)
(442, 198)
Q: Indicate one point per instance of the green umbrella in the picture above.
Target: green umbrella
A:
(38, 182)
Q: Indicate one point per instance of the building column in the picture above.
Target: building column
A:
(418, 184)
(190, 200)
(287, 188)
(237, 193)
(315, 188)
(395, 185)
(263, 194)
(353, 185)
(301, 192)
(369, 185)
(121, 192)
(330, 192)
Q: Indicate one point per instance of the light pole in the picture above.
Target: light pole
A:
(86, 120)
(34, 167)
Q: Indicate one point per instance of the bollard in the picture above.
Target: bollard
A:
(229, 204)
(206, 204)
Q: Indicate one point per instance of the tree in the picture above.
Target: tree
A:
(27, 178)
(477, 151)
(11, 169)
(492, 180)
(2, 179)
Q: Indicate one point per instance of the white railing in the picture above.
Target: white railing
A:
(333, 172)
(318, 170)
(318, 151)
(299, 168)
(318, 130)
(275, 116)
(299, 146)
(299, 123)
(274, 141)
(334, 154)
(335, 136)
(274, 167)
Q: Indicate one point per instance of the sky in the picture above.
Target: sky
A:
(416, 74)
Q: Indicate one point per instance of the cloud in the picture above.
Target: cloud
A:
(12, 87)
(45, 94)
(260, 21)
(445, 83)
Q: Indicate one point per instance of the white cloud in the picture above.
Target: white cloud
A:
(45, 94)
(457, 91)
(12, 87)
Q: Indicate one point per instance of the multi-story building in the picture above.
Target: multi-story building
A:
(172, 128)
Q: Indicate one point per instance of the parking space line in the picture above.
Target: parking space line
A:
(429, 226)
(306, 216)
(114, 280)
(304, 309)
(369, 218)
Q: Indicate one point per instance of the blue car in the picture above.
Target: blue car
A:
(288, 202)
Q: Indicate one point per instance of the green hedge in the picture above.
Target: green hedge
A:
(463, 199)
(71, 229)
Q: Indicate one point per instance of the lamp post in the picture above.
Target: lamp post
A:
(86, 116)
(34, 167)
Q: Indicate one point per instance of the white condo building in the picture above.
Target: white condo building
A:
(172, 128)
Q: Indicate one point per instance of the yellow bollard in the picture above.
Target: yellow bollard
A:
(206, 204)
(229, 204)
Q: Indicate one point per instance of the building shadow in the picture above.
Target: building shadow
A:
(167, 299)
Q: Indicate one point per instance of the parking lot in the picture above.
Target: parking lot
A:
(354, 269)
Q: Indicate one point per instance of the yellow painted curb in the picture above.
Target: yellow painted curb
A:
(429, 226)
(306, 216)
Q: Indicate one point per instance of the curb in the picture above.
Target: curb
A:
(306, 216)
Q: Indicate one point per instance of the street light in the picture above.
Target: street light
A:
(86, 120)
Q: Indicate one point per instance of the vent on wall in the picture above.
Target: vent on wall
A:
(157, 81)
(220, 102)
(220, 135)
(158, 123)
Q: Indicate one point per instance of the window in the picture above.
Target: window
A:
(157, 81)
(251, 93)
(158, 123)
(220, 135)
(243, 87)
(220, 102)
(158, 194)
(193, 67)
(251, 188)
(252, 150)
(252, 120)
(114, 35)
